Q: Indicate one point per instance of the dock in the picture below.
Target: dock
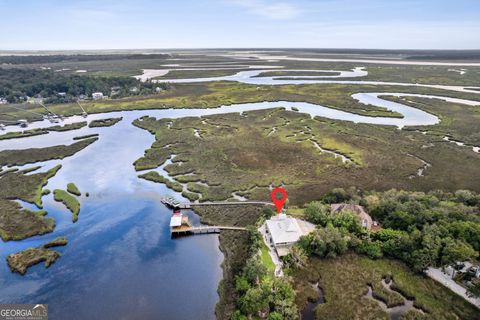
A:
(172, 203)
(189, 230)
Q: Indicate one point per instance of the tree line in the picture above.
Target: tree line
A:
(41, 59)
(17, 84)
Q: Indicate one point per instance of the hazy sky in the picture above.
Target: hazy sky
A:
(108, 24)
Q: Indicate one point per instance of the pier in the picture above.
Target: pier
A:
(189, 230)
(172, 203)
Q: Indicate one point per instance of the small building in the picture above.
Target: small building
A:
(3, 101)
(284, 231)
(365, 218)
(179, 222)
(97, 96)
(62, 94)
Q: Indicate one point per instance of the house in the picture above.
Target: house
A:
(283, 231)
(62, 94)
(97, 95)
(365, 218)
(3, 101)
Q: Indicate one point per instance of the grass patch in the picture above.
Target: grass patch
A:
(104, 122)
(86, 136)
(345, 280)
(32, 155)
(68, 127)
(21, 261)
(73, 189)
(156, 177)
(69, 201)
(17, 223)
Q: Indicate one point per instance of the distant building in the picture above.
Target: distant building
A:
(97, 96)
(35, 100)
(365, 218)
(283, 231)
(3, 101)
(62, 94)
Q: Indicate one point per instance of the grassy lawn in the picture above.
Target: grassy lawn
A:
(345, 281)
(266, 259)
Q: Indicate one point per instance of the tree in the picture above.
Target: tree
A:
(325, 242)
(256, 299)
(241, 284)
(317, 213)
(337, 195)
(254, 270)
(455, 250)
(268, 213)
(372, 249)
(297, 258)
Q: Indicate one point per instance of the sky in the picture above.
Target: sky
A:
(163, 24)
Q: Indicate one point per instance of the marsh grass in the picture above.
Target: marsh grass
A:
(69, 201)
(345, 281)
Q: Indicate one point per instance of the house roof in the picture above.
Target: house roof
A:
(176, 220)
(284, 229)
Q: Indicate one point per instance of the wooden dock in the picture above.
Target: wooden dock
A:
(172, 203)
(189, 230)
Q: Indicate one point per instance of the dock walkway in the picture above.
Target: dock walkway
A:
(188, 205)
(203, 229)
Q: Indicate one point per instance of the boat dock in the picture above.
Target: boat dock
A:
(172, 203)
(189, 230)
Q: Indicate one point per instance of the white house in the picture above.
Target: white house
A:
(283, 231)
(97, 96)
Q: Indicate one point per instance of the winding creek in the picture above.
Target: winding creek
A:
(120, 252)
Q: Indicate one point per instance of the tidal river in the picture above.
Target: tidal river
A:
(120, 262)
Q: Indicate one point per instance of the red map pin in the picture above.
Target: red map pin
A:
(279, 202)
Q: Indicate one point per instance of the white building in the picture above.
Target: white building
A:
(283, 231)
(3, 101)
(97, 96)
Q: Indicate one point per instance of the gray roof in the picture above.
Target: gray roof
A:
(284, 229)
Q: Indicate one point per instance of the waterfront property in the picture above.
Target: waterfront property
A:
(283, 231)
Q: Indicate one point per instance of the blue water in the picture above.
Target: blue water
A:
(120, 261)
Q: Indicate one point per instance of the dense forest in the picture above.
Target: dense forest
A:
(18, 84)
(32, 59)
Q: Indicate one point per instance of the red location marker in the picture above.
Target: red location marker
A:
(279, 202)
